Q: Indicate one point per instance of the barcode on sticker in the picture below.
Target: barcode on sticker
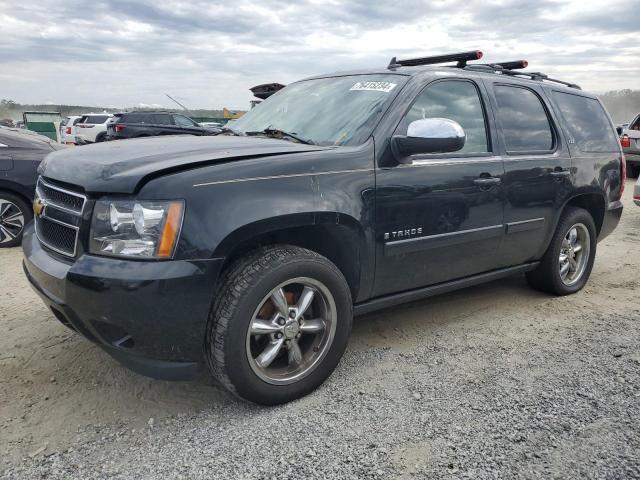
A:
(385, 87)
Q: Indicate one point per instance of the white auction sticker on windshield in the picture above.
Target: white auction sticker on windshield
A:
(385, 87)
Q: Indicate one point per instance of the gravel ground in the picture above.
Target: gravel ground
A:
(496, 381)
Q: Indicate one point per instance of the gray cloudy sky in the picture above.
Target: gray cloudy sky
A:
(208, 53)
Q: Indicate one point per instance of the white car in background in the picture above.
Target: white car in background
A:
(92, 128)
(68, 129)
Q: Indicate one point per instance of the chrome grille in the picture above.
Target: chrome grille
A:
(60, 197)
(59, 221)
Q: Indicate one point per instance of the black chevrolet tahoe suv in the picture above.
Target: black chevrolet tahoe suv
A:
(248, 253)
(149, 124)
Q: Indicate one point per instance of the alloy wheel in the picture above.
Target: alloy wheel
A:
(291, 331)
(11, 221)
(574, 254)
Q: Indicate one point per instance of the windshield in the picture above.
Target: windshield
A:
(325, 111)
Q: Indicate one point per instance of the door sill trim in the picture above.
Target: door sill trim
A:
(387, 301)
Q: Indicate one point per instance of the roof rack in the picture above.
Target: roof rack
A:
(539, 76)
(504, 68)
(461, 58)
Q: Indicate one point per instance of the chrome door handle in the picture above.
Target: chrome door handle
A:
(560, 173)
(485, 182)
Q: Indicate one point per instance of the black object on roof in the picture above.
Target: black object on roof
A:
(461, 58)
(266, 90)
(504, 68)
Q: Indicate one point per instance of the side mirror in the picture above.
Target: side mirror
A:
(428, 135)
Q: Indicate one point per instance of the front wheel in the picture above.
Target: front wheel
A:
(15, 213)
(567, 264)
(280, 324)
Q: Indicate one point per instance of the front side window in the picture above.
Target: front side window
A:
(325, 111)
(183, 121)
(586, 123)
(524, 121)
(458, 101)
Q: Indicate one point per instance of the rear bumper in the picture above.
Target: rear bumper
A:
(150, 316)
(611, 219)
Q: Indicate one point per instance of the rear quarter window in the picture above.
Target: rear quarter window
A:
(96, 119)
(136, 118)
(586, 123)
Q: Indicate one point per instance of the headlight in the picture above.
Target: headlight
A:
(146, 229)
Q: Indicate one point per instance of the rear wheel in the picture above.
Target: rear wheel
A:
(14, 215)
(280, 324)
(567, 264)
(101, 137)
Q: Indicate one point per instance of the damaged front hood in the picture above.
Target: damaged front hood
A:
(121, 166)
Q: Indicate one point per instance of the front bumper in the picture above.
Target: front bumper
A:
(149, 315)
(611, 219)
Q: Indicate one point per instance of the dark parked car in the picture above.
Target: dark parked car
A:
(630, 141)
(150, 124)
(248, 253)
(21, 151)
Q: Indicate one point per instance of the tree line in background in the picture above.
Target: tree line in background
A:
(622, 105)
(12, 110)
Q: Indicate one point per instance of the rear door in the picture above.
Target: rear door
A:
(537, 168)
(440, 217)
(162, 124)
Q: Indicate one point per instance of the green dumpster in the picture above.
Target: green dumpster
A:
(43, 122)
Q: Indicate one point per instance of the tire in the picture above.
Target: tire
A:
(101, 137)
(633, 171)
(548, 277)
(15, 213)
(244, 298)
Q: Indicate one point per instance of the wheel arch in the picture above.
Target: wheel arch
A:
(592, 201)
(15, 189)
(336, 236)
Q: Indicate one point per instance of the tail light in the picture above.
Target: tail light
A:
(625, 141)
(623, 174)
(119, 127)
(68, 131)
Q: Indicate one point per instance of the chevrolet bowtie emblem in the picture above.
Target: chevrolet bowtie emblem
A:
(38, 207)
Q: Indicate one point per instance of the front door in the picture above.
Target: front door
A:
(440, 217)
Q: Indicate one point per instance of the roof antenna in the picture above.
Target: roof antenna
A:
(185, 108)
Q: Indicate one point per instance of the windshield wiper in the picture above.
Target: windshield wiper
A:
(228, 130)
(276, 132)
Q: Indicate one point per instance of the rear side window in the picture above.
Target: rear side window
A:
(137, 118)
(97, 119)
(456, 100)
(586, 123)
(162, 119)
(524, 121)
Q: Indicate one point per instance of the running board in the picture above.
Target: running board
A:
(426, 292)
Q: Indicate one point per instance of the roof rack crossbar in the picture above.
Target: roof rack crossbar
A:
(461, 58)
(539, 76)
